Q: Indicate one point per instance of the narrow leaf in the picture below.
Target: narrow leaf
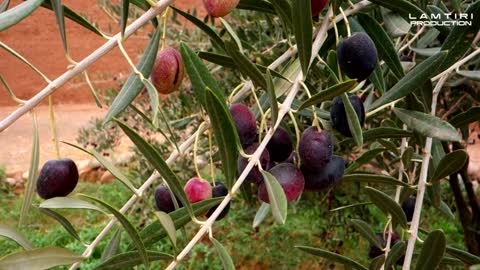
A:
(428, 125)
(4, 5)
(397, 251)
(462, 255)
(385, 133)
(130, 259)
(113, 245)
(465, 118)
(363, 159)
(151, 154)
(432, 252)
(154, 232)
(450, 164)
(245, 66)
(372, 178)
(284, 11)
(377, 263)
(32, 171)
(261, 214)
(168, 225)
(417, 76)
(68, 203)
(387, 205)
(18, 13)
(333, 257)
(328, 93)
(405, 8)
(302, 28)
(470, 74)
(257, 5)
(461, 37)
(15, 236)
(134, 84)
(353, 121)
(202, 26)
(154, 102)
(276, 196)
(62, 220)
(366, 231)
(39, 259)
(124, 16)
(225, 133)
(383, 43)
(132, 232)
(232, 34)
(227, 261)
(58, 9)
(272, 96)
(198, 74)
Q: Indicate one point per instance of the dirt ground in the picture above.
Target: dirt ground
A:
(38, 40)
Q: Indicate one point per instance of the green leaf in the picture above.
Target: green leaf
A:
(154, 102)
(426, 51)
(4, 5)
(39, 259)
(353, 121)
(58, 9)
(168, 225)
(130, 259)
(129, 228)
(328, 93)
(156, 160)
(124, 16)
(18, 13)
(198, 74)
(272, 96)
(134, 84)
(385, 133)
(416, 77)
(387, 205)
(397, 251)
(261, 214)
(256, 5)
(451, 163)
(62, 220)
(470, 74)
(366, 231)
(372, 178)
(395, 24)
(465, 118)
(202, 26)
(225, 133)
(377, 79)
(302, 28)
(377, 263)
(463, 255)
(232, 34)
(384, 44)
(154, 232)
(284, 11)
(109, 166)
(432, 252)
(112, 247)
(332, 257)
(461, 38)
(32, 171)
(276, 196)
(428, 125)
(75, 17)
(245, 66)
(16, 236)
(445, 210)
(227, 261)
(68, 203)
(405, 8)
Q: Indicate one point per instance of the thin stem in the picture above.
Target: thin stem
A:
(257, 102)
(210, 147)
(84, 64)
(53, 128)
(10, 91)
(345, 19)
(164, 21)
(315, 123)
(422, 183)
(195, 150)
(457, 64)
(412, 39)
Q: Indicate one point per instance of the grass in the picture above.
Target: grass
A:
(270, 246)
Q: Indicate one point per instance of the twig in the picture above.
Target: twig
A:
(84, 64)
(457, 64)
(422, 182)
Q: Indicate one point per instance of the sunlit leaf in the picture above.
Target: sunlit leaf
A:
(227, 261)
(428, 125)
(16, 236)
(18, 13)
(271, 95)
(62, 220)
(168, 225)
(39, 259)
(261, 214)
(112, 247)
(328, 93)
(276, 197)
(68, 203)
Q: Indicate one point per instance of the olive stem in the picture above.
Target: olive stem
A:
(195, 150)
(164, 20)
(422, 183)
(345, 19)
(53, 128)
